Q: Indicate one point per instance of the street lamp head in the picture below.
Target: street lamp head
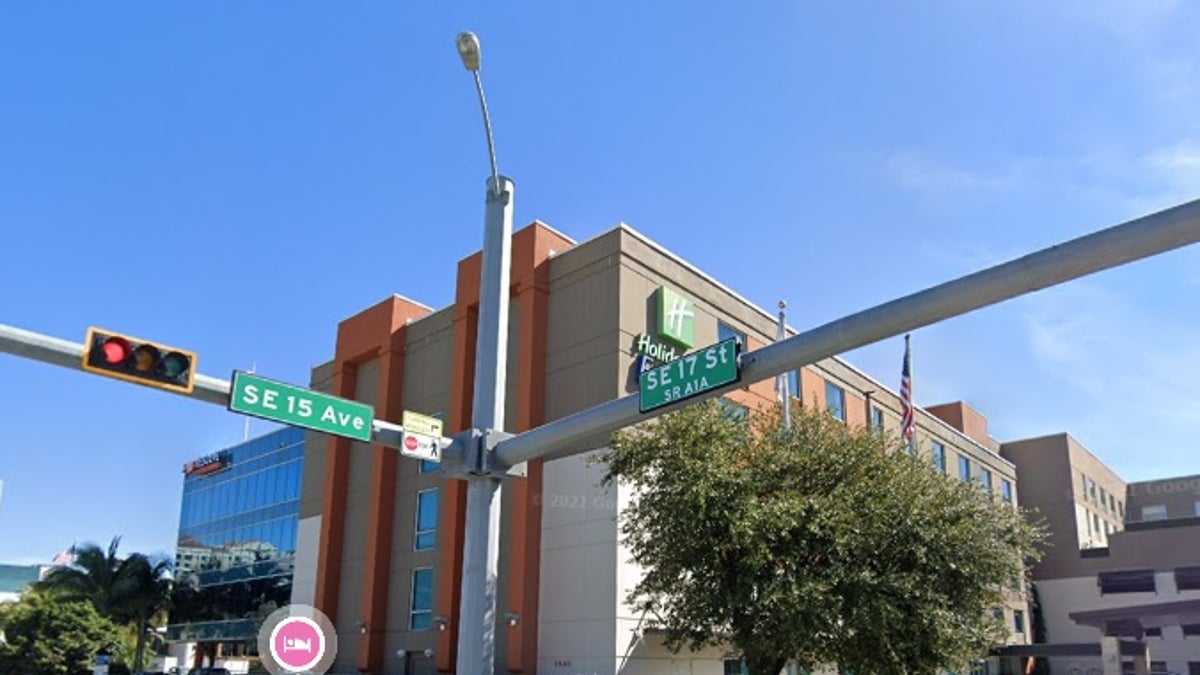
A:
(468, 49)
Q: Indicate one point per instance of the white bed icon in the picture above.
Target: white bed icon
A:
(297, 644)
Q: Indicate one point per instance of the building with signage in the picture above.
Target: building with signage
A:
(236, 548)
(379, 546)
(1119, 583)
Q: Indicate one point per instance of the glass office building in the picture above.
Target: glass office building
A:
(237, 541)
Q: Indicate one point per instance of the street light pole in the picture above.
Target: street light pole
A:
(481, 535)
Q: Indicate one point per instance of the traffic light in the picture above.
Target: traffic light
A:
(133, 360)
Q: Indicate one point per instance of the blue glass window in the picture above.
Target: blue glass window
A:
(985, 479)
(939, 457)
(421, 614)
(725, 331)
(877, 418)
(1006, 490)
(427, 506)
(428, 466)
(835, 400)
(964, 468)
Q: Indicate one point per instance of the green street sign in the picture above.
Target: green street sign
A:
(280, 402)
(689, 375)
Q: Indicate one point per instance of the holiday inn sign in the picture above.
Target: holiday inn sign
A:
(676, 318)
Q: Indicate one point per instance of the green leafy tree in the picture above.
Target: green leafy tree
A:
(822, 544)
(47, 636)
(132, 591)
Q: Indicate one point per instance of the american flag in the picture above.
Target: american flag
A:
(65, 558)
(906, 405)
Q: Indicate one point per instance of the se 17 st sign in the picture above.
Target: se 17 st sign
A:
(281, 402)
(689, 375)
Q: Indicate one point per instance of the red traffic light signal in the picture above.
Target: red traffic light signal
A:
(133, 360)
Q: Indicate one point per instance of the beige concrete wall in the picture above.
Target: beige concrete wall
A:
(354, 529)
(577, 589)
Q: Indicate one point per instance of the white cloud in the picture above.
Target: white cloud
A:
(1135, 370)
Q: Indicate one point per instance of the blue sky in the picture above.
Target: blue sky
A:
(238, 177)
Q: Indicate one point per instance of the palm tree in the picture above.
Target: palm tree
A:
(148, 597)
(130, 590)
(98, 576)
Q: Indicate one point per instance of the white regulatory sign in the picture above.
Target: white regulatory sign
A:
(421, 446)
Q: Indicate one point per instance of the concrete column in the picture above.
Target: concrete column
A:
(1110, 655)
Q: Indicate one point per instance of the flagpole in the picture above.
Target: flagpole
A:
(782, 384)
(912, 444)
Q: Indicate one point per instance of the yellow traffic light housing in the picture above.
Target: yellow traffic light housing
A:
(139, 361)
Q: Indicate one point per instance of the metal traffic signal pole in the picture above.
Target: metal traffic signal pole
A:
(481, 535)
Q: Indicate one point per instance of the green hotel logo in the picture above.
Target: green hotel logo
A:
(676, 318)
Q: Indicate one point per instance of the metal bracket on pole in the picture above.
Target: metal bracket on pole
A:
(460, 457)
(489, 462)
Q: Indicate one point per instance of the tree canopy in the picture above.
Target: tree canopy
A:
(46, 636)
(128, 591)
(821, 543)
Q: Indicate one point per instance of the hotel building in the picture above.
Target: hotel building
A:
(379, 544)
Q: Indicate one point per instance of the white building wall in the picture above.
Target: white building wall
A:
(576, 605)
(1061, 597)
(304, 576)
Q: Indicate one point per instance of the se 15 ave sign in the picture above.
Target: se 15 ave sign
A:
(689, 376)
(280, 402)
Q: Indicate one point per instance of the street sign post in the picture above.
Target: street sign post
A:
(280, 402)
(689, 375)
(422, 437)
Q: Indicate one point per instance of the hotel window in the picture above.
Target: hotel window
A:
(421, 609)
(427, 506)
(1155, 512)
(964, 468)
(733, 410)
(877, 424)
(1006, 490)
(793, 382)
(1019, 621)
(725, 331)
(1126, 581)
(939, 457)
(1187, 578)
(1092, 489)
(985, 479)
(736, 667)
(835, 400)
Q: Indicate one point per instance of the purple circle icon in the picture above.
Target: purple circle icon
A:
(297, 643)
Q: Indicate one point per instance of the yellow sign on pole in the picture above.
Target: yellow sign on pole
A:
(417, 423)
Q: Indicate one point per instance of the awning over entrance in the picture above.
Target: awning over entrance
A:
(1133, 620)
(1082, 649)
